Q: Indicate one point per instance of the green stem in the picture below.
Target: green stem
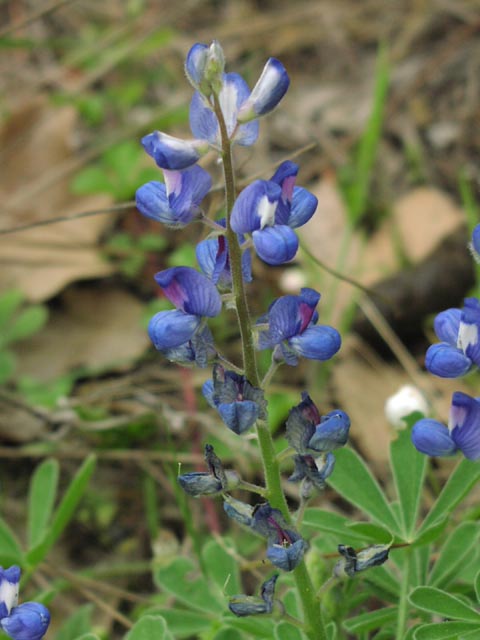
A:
(314, 627)
(404, 589)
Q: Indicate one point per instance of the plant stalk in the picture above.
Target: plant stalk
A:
(314, 627)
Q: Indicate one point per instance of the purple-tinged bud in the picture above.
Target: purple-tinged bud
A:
(204, 67)
(432, 438)
(446, 361)
(353, 562)
(287, 557)
(242, 605)
(267, 93)
(173, 153)
(28, 621)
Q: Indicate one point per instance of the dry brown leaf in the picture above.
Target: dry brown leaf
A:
(96, 327)
(42, 261)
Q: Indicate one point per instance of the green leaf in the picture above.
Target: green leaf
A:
(385, 581)
(477, 586)
(87, 636)
(431, 533)
(64, 512)
(26, 323)
(443, 604)
(253, 626)
(371, 532)
(331, 630)
(228, 633)
(463, 478)
(10, 550)
(41, 498)
(222, 567)
(329, 522)
(10, 301)
(287, 631)
(184, 623)
(8, 362)
(371, 620)
(148, 628)
(178, 578)
(443, 630)
(456, 548)
(409, 468)
(76, 625)
(353, 480)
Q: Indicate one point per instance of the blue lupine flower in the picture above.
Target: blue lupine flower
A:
(307, 432)
(204, 67)
(181, 334)
(462, 434)
(239, 511)
(459, 351)
(242, 605)
(285, 546)
(214, 260)
(217, 480)
(28, 621)
(353, 562)
(267, 93)
(173, 153)
(175, 203)
(239, 404)
(296, 205)
(292, 329)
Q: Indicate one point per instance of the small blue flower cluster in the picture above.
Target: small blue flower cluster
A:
(27, 621)
(457, 354)
(263, 218)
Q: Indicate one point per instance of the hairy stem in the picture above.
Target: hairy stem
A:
(404, 589)
(314, 627)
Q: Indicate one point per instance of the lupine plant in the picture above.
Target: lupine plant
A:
(319, 574)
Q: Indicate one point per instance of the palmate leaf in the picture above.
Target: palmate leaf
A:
(456, 548)
(444, 631)
(41, 499)
(149, 627)
(409, 468)
(222, 567)
(464, 477)
(328, 522)
(354, 481)
(444, 604)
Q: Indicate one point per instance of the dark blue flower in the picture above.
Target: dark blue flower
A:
(307, 469)
(28, 621)
(173, 153)
(176, 202)
(459, 351)
(462, 434)
(292, 329)
(217, 480)
(285, 546)
(242, 605)
(239, 511)
(307, 432)
(296, 205)
(239, 404)
(353, 562)
(190, 291)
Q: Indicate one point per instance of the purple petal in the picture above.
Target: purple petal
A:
(152, 202)
(233, 94)
(239, 416)
(285, 176)
(464, 424)
(446, 362)
(432, 438)
(173, 153)
(286, 557)
(304, 205)
(290, 315)
(447, 324)
(255, 206)
(195, 63)
(203, 121)
(170, 329)
(317, 343)
(468, 333)
(267, 93)
(29, 621)
(186, 189)
(275, 245)
(190, 291)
